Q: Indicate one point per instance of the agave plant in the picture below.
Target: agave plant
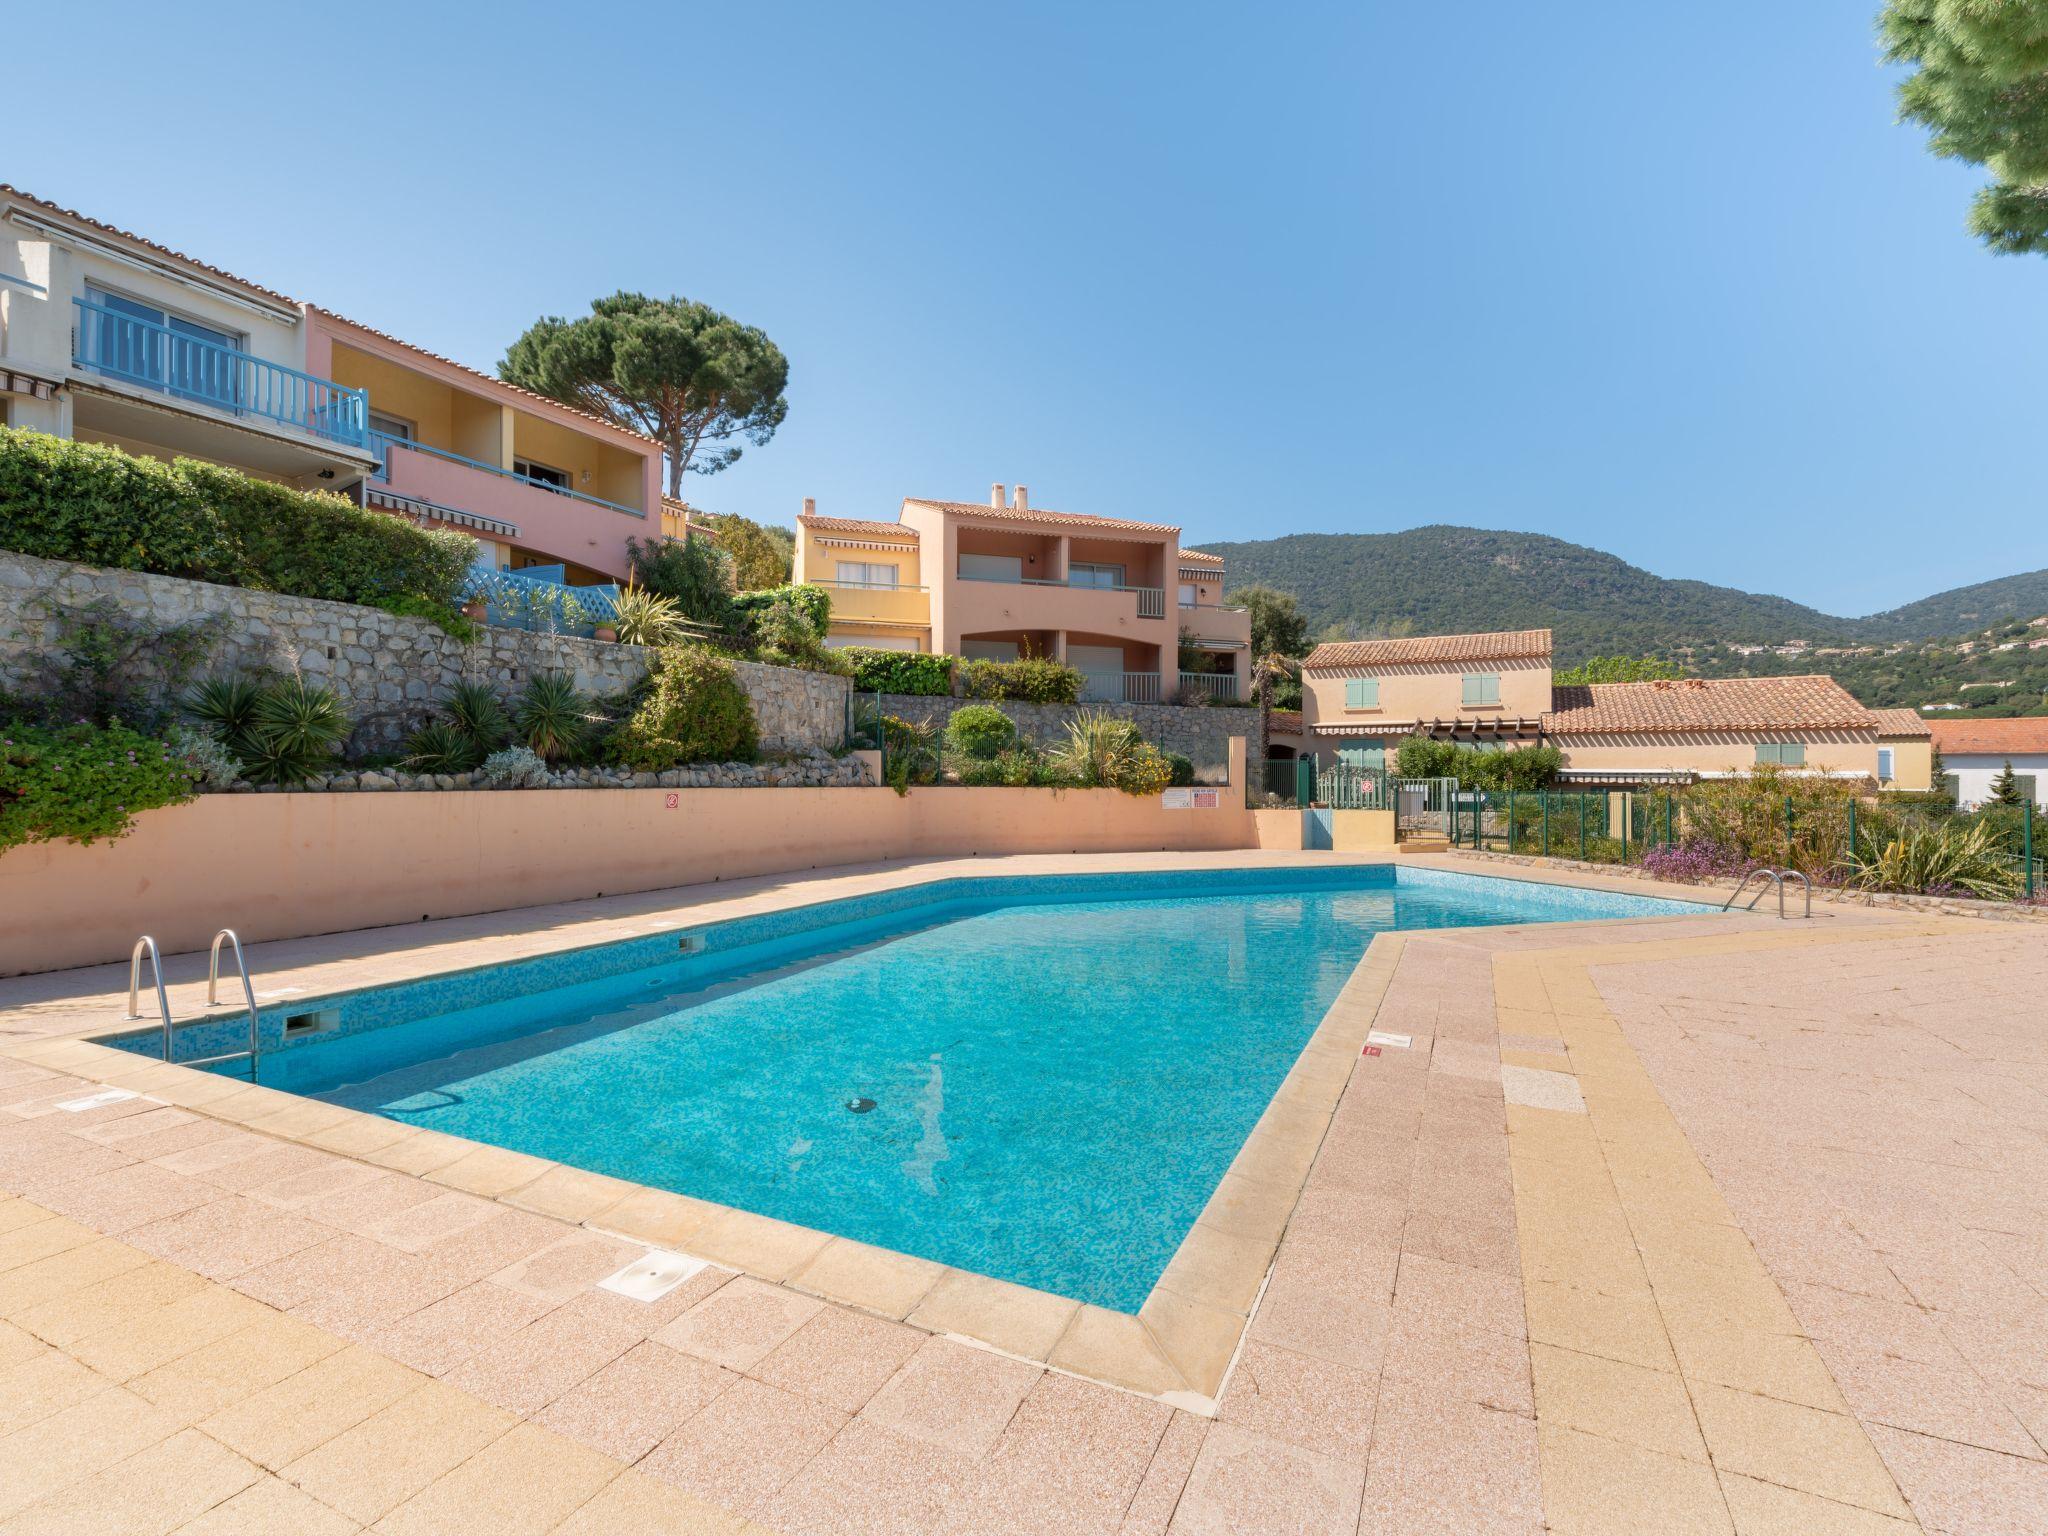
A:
(553, 717)
(1939, 857)
(642, 617)
(295, 730)
(473, 709)
(442, 746)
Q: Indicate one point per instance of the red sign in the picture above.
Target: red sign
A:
(670, 802)
(1372, 1050)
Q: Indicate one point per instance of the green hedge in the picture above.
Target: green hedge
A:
(1032, 680)
(912, 672)
(64, 500)
(814, 603)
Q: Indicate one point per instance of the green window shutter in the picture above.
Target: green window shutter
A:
(2026, 784)
(1361, 693)
(1482, 688)
(1793, 754)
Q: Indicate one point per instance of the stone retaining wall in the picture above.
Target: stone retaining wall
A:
(389, 672)
(1200, 734)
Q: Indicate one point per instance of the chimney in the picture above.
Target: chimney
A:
(1020, 500)
(995, 495)
(810, 506)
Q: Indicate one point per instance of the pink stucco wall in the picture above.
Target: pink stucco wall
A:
(287, 865)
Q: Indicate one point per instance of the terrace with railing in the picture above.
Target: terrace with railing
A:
(169, 360)
(382, 444)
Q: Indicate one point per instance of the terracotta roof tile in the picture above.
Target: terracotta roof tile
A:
(162, 250)
(1200, 557)
(858, 525)
(1900, 722)
(1499, 645)
(1286, 722)
(1035, 516)
(1706, 704)
(1992, 738)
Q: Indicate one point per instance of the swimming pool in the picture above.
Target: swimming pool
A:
(1037, 1079)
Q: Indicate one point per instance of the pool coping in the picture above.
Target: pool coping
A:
(1178, 1348)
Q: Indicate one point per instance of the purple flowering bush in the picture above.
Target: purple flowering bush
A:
(1696, 860)
(83, 782)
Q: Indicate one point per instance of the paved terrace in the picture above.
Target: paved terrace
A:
(1677, 1225)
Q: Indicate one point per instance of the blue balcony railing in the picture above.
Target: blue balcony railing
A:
(187, 367)
(539, 599)
(381, 445)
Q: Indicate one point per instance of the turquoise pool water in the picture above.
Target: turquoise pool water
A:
(1042, 1083)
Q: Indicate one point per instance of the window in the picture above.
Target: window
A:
(1361, 693)
(1187, 594)
(1362, 757)
(989, 650)
(542, 474)
(1481, 689)
(2026, 784)
(1787, 754)
(853, 573)
(1884, 764)
(1083, 574)
(1951, 785)
(166, 351)
(391, 427)
(991, 567)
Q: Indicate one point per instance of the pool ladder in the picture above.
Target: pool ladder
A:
(1776, 877)
(147, 946)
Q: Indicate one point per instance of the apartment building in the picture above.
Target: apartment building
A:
(1496, 690)
(106, 336)
(1141, 618)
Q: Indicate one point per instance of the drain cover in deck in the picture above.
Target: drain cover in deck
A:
(653, 1275)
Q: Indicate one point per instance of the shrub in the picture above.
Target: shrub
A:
(1693, 861)
(1018, 767)
(553, 717)
(909, 752)
(106, 665)
(87, 502)
(1518, 768)
(1104, 752)
(643, 617)
(1181, 769)
(814, 603)
(1034, 680)
(784, 635)
(83, 782)
(695, 711)
(980, 731)
(513, 768)
(911, 672)
(473, 709)
(450, 621)
(1939, 858)
(213, 765)
(692, 573)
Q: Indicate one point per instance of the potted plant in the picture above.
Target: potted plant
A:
(475, 609)
(604, 629)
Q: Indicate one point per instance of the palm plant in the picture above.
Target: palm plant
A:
(1268, 673)
(552, 717)
(296, 729)
(225, 707)
(642, 617)
(442, 746)
(1938, 857)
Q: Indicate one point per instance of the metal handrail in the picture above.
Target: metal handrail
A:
(1805, 884)
(381, 444)
(213, 999)
(1770, 875)
(156, 971)
(156, 357)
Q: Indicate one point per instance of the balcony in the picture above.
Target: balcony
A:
(1216, 685)
(1120, 688)
(1151, 600)
(165, 360)
(865, 602)
(382, 445)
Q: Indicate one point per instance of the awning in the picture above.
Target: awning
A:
(412, 506)
(14, 382)
(1621, 778)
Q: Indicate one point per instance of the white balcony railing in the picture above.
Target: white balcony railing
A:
(1120, 688)
(1217, 685)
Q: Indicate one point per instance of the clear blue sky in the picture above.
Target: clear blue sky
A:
(1667, 280)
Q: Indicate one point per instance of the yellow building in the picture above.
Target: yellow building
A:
(1141, 618)
(1361, 698)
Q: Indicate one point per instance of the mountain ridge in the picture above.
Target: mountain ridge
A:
(1446, 579)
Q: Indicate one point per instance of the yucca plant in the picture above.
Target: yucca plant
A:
(1941, 858)
(1104, 752)
(442, 746)
(476, 711)
(553, 717)
(295, 729)
(642, 617)
(225, 708)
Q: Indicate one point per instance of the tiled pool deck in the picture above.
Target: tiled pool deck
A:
(1676, 1224)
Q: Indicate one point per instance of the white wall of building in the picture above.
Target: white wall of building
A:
(1974, 772)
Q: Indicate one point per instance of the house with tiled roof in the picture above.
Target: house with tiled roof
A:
(107, 336)
(1142, 619)
(1975, 752)
(1361, 697)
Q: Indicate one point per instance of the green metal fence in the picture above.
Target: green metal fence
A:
(1829, 841)
(1280, 783)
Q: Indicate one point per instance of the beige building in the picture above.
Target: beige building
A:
(1141, 618)
(1360, 698)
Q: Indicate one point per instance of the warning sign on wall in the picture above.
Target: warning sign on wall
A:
(1190, 799)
